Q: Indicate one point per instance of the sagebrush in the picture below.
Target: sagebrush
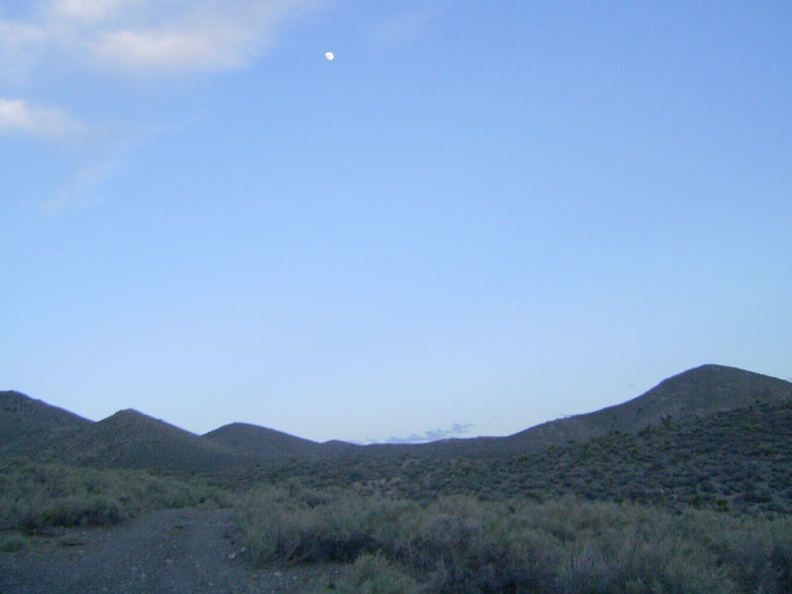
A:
(462, 544)
(35, 497)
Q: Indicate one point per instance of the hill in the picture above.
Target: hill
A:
(133, 440)
(28, 426)
(736, 460)
(696, 393)
(130, 439)
(261, 442)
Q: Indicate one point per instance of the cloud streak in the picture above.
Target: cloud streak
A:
(406, 26)
(455, 430)
(99, 42)
(79, 189)
(146, 37)
(149, 51)
(17, 116)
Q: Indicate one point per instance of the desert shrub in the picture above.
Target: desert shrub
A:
(35, 495)
(13, 543)
(634, 563)
(304, 525)
(758, 553)
(374, 574)
(694, 551)
(96, 510)
(464, 545)
(456, 543)
(269, 526)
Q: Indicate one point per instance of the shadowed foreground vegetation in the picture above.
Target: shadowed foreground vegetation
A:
(460, 544)
(35, 497)
(702, 505)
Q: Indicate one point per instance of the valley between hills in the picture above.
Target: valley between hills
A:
(687, 487)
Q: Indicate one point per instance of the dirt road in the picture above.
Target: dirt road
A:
(167, 551)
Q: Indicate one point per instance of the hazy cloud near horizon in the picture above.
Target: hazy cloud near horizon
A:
(455, 430)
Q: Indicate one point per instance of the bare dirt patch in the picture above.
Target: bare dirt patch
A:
(166, 551)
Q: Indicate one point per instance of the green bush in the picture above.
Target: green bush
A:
(13, 543)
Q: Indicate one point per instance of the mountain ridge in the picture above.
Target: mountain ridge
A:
(132, 439)
(700, 391)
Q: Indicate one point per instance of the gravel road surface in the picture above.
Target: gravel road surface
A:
(167, 551)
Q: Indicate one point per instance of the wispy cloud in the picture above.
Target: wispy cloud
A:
(146, 36)
(44, 42)
(79, 190)
(17, 116)
(455, 430)
(87, 11)
(405, 26)
(149, 51)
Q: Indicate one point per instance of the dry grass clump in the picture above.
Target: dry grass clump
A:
(464, 545)
(13, 544)
(374, 574)
(35, 497)
(94, 510)
(295, 524)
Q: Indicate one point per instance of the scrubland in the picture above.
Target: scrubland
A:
(458, 544)
(38, 497)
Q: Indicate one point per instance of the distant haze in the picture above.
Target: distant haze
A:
(472, 221)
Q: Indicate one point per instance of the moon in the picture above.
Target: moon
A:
(329, 56)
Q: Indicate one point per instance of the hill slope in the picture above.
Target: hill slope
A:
(696, 393)
(27, 425)
(739, 460)
(253, 440)
(130, 439)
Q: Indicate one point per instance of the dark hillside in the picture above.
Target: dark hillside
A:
(738, 460)
(336, 447)
(261, 442)
(129, 439)
(27, 426)
(695, 393)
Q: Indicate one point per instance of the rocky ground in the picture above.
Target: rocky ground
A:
(167, 551)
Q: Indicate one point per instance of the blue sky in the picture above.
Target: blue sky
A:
(478, 217)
